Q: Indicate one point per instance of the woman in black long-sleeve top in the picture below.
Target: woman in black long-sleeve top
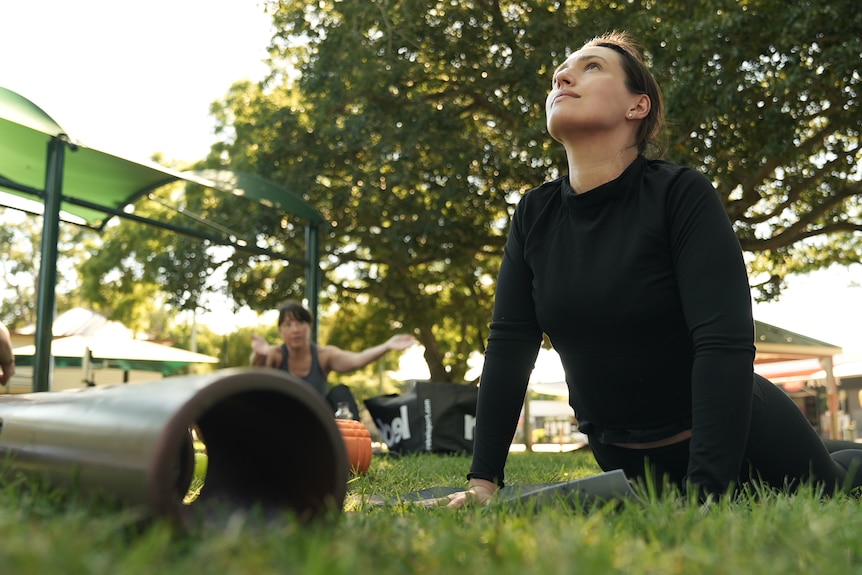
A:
(632, 269)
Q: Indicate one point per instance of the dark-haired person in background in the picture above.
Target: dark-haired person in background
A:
(311, 362)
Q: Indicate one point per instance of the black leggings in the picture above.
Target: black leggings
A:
(782, 450)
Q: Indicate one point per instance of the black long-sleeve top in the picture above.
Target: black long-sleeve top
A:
(641, 287)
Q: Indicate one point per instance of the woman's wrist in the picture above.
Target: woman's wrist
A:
(482, 485)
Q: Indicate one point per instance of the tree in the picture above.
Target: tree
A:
(134, 269)
(397, 142)
(415, 126)
(764, 98)
(19, 269)
(21, 236)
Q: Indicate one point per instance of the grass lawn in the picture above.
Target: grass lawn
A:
(49, 533)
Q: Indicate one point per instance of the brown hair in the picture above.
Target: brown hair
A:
(295, 310)
(640, 81)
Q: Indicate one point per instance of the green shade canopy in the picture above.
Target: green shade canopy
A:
(92, 177)
(97, 185)
(259, 190)
(82, 185)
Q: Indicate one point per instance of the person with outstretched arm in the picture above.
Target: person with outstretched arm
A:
(311, 362)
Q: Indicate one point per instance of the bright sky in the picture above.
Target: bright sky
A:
(132, 78)
(136, 78)
(825, 305)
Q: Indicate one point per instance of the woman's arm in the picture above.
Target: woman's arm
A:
(513, 344)
(260, 349)
(273, 358)
(7, 356)
(335, 359)
(716, 298)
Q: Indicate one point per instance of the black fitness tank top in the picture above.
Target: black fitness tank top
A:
(315, 377)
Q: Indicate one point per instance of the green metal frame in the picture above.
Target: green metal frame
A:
(88, 187)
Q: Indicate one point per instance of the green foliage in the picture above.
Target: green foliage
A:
(20, 260)
(414, 127)
(233, 349)
(405, 145)
(19, 267)
(136, 261)
(46, 532)
(764, 98)
(416, 140)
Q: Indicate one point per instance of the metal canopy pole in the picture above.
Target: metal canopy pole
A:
(46, 300)
(832, 398)
(312, 274)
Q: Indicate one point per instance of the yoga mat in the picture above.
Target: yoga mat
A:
(587, 491)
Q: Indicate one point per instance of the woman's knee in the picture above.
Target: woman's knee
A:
(850, 461)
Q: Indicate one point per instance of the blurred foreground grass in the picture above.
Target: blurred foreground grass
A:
(46, 532)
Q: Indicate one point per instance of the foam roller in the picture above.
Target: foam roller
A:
(271, 442)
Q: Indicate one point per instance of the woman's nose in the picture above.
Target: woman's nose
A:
(564, 77)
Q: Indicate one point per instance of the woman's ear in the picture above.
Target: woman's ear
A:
(641, 108)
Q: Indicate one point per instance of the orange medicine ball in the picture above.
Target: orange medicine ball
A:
(357, 441)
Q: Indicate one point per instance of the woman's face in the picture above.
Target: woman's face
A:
(293, 331)
(588, 94)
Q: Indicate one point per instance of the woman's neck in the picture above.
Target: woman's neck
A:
(302, 350)
(590, 166)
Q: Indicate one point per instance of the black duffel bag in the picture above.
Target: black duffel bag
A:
(431, 417)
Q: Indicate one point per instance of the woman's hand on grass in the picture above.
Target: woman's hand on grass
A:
(479, 492)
